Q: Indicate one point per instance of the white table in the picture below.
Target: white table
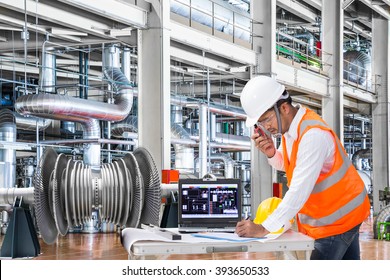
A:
(287, 243)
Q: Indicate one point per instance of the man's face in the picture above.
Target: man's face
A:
(269, 122)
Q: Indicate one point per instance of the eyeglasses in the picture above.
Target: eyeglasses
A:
(267, 120)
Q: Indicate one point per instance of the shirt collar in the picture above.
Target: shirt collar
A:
(293, 130)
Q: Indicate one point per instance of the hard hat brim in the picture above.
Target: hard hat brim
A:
(249, 122)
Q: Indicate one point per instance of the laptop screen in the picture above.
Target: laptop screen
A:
(209, 202)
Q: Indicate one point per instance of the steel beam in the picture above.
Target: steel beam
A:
(297, 9)
(115, 10)
(58, 16)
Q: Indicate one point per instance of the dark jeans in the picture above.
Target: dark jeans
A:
(338, 247)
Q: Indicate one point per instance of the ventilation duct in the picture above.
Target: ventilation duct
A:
(127, 126)
(366, 180)
(126, 63)
(86, 112)
(184, 155)
(359, 155)
(228, 163)
(357, 68)
(47, 73)
(31, 123)
(7, 156)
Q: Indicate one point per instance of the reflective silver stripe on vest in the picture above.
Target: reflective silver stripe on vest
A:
(338, 214)
(307, 123)
(340, 173)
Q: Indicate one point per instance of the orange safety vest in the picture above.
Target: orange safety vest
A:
(339, 200)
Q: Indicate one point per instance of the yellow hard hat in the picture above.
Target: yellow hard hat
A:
(266, 207)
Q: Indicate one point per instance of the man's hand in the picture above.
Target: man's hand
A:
(265, 144)
(247, 228)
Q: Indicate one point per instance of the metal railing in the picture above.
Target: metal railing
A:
(302, 53)
(360, 77)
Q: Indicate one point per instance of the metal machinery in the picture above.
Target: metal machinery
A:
(68, 185)
(69, 134)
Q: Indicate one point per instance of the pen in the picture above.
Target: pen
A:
(247, 218)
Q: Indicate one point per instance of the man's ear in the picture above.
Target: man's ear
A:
(284, 108)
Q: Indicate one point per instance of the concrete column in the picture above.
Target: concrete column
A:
(332, 46)
(154, 85)
(265, 47)
(380, 110)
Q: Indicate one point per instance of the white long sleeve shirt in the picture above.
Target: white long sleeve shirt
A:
(315, 156)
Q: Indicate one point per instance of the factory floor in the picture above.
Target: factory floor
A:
(107, 246)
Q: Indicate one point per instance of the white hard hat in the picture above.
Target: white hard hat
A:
(259, 94)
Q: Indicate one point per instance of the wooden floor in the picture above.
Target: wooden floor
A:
(107, 246)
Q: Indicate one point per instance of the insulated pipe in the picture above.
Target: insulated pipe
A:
(7, 156)
(184, 154)
(202, 140)
(47, 73)
(63, 107)
(126, 127)
(357, 68)
(214, 108)
(358, 155)
(176, 114)
(228, 163)
(86, 112)
(31, 123)
(213, 125)
(126, 63)
(223, 138)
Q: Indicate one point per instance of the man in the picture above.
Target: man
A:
(325, 189)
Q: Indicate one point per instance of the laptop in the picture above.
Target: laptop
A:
(208, 205)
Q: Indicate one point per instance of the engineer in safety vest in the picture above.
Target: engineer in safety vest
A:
(326, 194)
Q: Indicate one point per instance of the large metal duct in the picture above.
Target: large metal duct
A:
(31, 123)
(7, 156)
(228, 163)
(86, 112)
(184, 154)
(47, 73)
(127, 126)
(126, 63)
(65, 108)
(365, 176)
(357, 68)
(359, 155)
(203, 140)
